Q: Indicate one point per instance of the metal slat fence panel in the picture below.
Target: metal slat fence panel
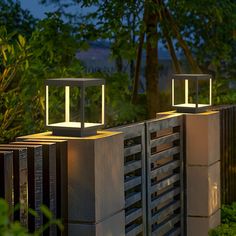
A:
(134, 178)
(6, 180)
(165, 173)
(228, 152)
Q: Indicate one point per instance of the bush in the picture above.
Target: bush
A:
(10, 228)
(228, 219)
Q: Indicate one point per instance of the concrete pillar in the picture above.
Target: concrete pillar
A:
(202, 172)
(95, 183)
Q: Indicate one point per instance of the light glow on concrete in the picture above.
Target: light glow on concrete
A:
(46, 108)
(67, 104)
(186, 91)
(192, 105)
(103, 104)
(173, 92)
(210, 92)
(74, 124)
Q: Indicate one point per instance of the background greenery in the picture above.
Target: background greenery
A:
(228, 219)
(14, 228)
(200, 37)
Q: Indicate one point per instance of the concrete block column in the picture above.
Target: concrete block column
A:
(95, 185)
(202, 172)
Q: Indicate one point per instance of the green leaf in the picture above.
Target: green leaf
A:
(21, 40)
(46, 212)
(33, 212)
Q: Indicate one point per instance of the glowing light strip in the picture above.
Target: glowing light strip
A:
(103, 104)
(173, 92)
(67, 104)
(46, 108)
(186, 91)
(210, 92)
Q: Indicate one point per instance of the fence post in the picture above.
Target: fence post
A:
(95, 186)
(203, 172)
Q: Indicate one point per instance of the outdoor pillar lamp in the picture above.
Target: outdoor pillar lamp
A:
(191, 93)
(75, 106)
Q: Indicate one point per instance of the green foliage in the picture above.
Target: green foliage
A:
(15, 19)
(228, 213)
(14, 56)
(203, 30)
(10, 228)
(25, 65)
(222, 94)
(119, 109)
(99, 23)
(228, 220)
(53, 41)
(7, 227)
(209, 29)
(224, 229)
(47, 49)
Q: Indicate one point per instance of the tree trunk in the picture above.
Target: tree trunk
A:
(131, 69)
(152, 77)
(137, 69)
(119, 64)
(167, 15)
(132, 39)
(171, 49)
(167, 36)
(138, 62)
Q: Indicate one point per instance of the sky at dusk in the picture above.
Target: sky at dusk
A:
(35, 8)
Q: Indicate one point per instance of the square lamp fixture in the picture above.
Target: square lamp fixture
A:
(75, 106)
(191, 93)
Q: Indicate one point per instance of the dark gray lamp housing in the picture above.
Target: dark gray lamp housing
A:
(191, 93)
(67, 125)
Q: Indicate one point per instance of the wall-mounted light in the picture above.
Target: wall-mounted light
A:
(191, 92)
(66, 111)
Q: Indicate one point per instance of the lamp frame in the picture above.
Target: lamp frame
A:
(195, 107)
(81, 129)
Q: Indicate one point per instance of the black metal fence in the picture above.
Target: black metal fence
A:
(228, 152)
(134, 178)
(153, 173)
(154, 177)
(165, 176)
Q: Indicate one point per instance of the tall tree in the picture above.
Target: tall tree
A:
(195, 27)
(14, 18)
(13, 58)
(152, 75)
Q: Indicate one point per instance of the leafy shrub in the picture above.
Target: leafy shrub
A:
(228, 220)
(119, 108)
(10, 228)
(13, 59)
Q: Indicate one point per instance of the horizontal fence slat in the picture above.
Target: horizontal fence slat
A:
(167, 225)
(165, 139)
(134, 230)
(165, 211)
(132, 198)
(164, 174)
(133, 215)
(175, 232)
(165, 168)
(166, 153)
(132, 182)
(165, 196)
(164, 123)
(132, 150)
(165, 183)
(130, 131)
(134, 177)
(132, 166)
